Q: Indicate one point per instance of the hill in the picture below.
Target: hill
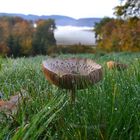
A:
(59, 19)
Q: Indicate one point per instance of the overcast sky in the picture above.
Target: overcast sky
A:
(72, 8)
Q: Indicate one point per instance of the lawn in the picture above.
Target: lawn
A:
(108, 110)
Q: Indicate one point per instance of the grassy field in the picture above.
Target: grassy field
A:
(109, 110)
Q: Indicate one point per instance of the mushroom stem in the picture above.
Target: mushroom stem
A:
(72, 94)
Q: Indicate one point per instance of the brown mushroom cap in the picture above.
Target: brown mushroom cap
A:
(72, 73)
(116, 65)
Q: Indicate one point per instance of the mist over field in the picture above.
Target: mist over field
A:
(69, 35)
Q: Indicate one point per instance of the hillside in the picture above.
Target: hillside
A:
(59, 19)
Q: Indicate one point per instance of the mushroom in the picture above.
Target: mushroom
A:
(72, 73)
(116, 65)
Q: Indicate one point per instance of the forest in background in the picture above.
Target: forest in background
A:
(121, 33)
(19, 37)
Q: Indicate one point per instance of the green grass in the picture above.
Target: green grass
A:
(109, 110)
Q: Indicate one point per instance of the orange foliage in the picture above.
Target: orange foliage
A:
(18, 37)
(3, 49)
(119, 35)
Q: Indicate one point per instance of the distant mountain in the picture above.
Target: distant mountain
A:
(87, 21)
(59, 20)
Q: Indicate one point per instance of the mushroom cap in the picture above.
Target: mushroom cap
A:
(116, 65)
(110, 64)
(72, 73)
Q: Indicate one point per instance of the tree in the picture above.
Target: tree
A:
(98, 27)
(120, 35)
(44, 36)
(123, 33)
(23, 31)
(18, 37)
(131, 8)
(4, 50)
(14, 46)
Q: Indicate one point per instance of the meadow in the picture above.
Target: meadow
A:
(108, 110)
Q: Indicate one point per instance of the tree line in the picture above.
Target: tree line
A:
(19, 37)
(121, 33)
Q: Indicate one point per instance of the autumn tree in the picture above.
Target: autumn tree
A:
(44, 36)
(23, 34)
(15, 36)
(122, 33)
(5, 29)
(120, 36)
(98, 27)
(18, 37)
